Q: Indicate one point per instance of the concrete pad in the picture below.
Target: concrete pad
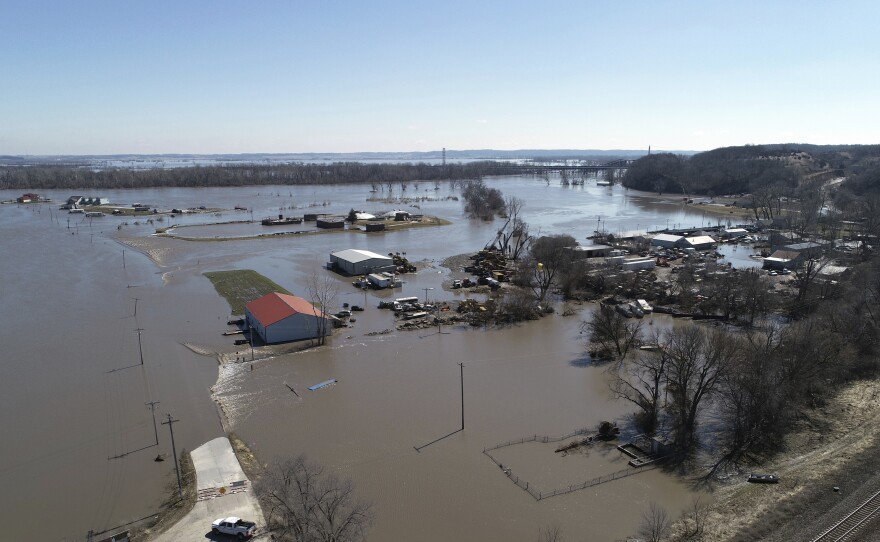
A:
(216, 466)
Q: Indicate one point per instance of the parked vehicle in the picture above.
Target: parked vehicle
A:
(234, 526)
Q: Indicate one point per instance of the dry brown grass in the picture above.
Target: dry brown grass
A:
(832, 444)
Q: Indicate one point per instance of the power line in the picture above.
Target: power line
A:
(169, 423)
(153, 410)
(140, 348)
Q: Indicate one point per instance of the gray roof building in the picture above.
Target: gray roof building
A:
(359, 262)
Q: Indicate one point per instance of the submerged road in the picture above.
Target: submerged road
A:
(223, 491)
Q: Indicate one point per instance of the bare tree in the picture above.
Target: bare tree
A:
(305, 504)
(655, 523)
(323, 290)
(516, 305)
(694, 520)
(752, 400)
(549, 256)
(697, 360)
(640, 381)
(612, 332)
(804, 279)
(513, 237)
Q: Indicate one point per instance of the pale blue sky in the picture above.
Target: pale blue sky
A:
(88, 77)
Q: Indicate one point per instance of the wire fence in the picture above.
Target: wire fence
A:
(538, 438)
(538, 494)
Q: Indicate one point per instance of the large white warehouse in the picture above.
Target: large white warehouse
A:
(282, 318)
(359, 262)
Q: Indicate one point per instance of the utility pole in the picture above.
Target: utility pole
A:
(136, 306)
(174, 451)
(153, 410)
(426, 294)
(123, 257)
(461, 366)
(140, 348)
(251, 339)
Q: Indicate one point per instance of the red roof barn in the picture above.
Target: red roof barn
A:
(282, 318)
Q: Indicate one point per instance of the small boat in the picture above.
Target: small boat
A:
(236, 332)
(763, 479)
(413, 315)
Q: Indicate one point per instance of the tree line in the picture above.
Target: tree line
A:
(72, 177)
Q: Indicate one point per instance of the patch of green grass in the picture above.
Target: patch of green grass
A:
(240, 287)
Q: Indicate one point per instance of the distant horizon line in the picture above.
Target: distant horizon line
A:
(438, 152)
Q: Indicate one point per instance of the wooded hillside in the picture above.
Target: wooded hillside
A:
(749, 169)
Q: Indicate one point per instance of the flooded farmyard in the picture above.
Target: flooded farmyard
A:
(85, 449)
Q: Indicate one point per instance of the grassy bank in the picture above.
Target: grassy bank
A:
(242, 286)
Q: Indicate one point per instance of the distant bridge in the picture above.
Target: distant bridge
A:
(539, 168)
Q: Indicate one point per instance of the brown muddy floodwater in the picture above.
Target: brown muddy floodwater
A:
(403, 390)
(79, 442)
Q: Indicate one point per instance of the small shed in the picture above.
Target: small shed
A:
(359, 262)
(665, 240)
(279, 318)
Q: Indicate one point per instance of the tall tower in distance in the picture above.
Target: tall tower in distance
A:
(444, 156)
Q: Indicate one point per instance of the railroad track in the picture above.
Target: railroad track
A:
(847, 528)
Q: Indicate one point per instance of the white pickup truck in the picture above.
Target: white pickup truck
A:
(234, 526)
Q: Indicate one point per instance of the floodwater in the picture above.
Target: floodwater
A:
(80, 441)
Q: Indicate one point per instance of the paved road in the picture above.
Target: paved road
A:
(216, 467)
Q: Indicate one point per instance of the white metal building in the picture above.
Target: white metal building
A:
(734, 233)
(279, 318)
(699, 242)
(359, 262)
(665, 240)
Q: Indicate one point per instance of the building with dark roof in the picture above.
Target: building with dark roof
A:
(783, 259)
